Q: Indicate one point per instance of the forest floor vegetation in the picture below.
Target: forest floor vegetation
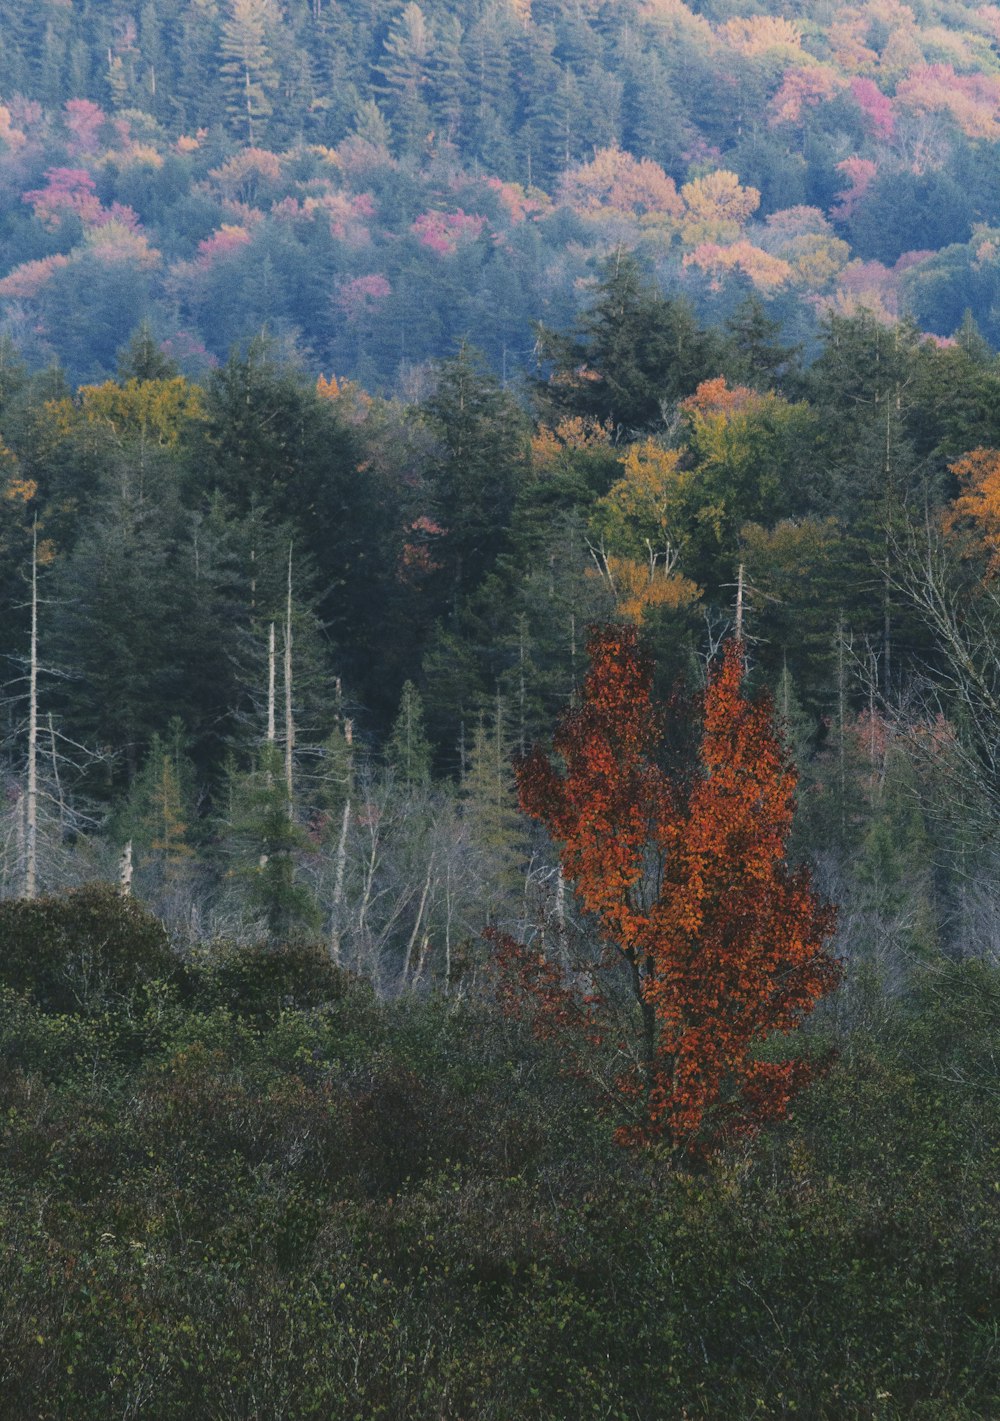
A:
(243, 1186)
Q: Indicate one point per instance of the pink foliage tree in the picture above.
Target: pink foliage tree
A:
(68, 192)
(860, 173)
(876, 107)
(26, 280)
(445, 232)
(222, 243)
(84, 121)
(356, 298)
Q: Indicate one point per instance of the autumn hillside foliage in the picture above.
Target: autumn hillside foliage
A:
(682, 872)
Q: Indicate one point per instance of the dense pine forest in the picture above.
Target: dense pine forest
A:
(499, 880)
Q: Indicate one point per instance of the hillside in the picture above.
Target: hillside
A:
(376, 185)
(499, 710)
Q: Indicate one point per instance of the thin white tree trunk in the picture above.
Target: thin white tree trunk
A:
(338, 877)
(270, 713)
(338, 883)
(739, 604)
(447, 931)
(420, 917)
(55, 774)
(270, 685)
(125, 871)
(31, 807)
(289, 722)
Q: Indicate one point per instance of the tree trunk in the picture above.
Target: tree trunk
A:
(289, 722)
(31, 807)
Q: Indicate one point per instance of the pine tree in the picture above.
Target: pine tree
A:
(249, 76)
(262, 842)
(157, 818)
(489, 800)
(476, 476)
(405, 68)
(408, 751)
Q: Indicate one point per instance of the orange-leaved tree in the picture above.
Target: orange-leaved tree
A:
(683, 875)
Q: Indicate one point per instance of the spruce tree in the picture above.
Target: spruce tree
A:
(408, 751)
(248, 73)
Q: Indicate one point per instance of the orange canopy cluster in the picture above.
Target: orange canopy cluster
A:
(686, 879)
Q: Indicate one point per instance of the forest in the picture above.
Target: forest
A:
(377, 184)
(499, 550)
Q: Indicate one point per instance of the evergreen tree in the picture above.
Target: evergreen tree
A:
(475, 476)
(634, 354)
(408, 751)
(449, 85)
(261, 839)
(406, 68)
(194, 91)
(754, 354)
(489, 808)
(142, 359)
(249, 76)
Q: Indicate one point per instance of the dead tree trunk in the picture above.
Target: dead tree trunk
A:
(31, 806)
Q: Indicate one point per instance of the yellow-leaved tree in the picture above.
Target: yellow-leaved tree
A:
(638, 531)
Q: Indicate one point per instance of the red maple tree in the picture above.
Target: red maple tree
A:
(685, 877)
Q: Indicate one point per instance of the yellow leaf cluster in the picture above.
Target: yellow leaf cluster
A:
(615, 179)
(156, 410)
(646, 505)
(20, 490)
(639, 587)
(761, 34)
(767, 272)
(715, 207)
(574, 434)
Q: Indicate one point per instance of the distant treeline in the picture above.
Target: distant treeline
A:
(375, 187)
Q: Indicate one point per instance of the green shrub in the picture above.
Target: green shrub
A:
(81, 951)
(260, 981)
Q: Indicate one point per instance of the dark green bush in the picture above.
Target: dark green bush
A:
(261, 981)
(81, 951)
(402, 1210)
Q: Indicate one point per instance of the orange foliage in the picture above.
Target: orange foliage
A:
(978, 503)
(767, 272)
(804, 88)
(686, 881)
(617, 180)
(640, 586)
(18, 490)
(353, 404)
(846, 39)
(761, 34)
(328, 389)
(574, 433)
(718, 397)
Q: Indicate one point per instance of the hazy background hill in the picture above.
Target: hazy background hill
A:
(377, 182)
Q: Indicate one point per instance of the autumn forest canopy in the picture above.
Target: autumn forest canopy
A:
(499, 708)
(378, 184)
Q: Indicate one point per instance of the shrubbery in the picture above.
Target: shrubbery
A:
(81, 952)
(230, 1200)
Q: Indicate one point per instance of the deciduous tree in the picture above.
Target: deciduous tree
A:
(684, 877)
